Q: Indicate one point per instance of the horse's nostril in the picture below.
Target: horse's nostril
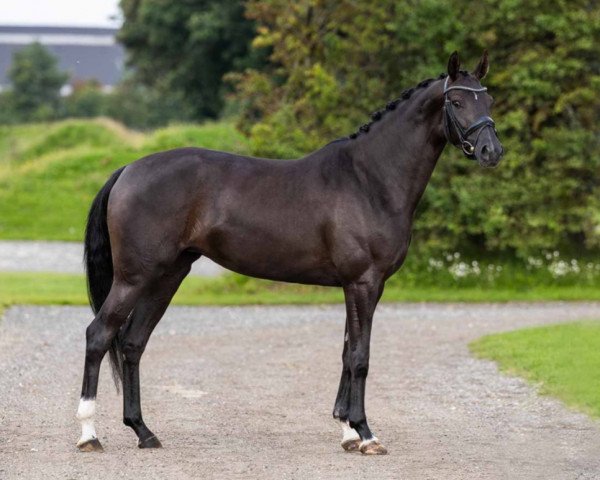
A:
(485, 152)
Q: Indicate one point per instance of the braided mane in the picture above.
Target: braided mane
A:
(391, 105)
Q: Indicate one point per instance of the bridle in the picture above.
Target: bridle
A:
(463, 134)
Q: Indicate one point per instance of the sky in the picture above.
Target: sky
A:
(87, 13)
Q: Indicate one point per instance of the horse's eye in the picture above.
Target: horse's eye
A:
(456, 104)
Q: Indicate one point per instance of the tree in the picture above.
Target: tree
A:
(186, 47)
(334, 61)
(36, 83)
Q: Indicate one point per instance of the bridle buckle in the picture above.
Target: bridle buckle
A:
(468, 147)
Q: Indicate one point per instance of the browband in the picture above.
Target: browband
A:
(462, 87)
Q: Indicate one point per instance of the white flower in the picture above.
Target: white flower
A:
(463, 269)
(435, 264)
(535, 262)
(459, 270)
(559, 268)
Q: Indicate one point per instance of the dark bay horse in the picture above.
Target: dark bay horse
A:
(341, 216)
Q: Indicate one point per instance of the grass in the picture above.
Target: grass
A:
(67, 289)
(49, 173)
(561, 360)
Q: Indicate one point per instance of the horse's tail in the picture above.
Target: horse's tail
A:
(98, 264)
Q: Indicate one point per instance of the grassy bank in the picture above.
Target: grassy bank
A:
(560, 360)
(49, 173)
(64, 289)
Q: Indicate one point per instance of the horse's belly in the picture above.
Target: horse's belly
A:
(280, 270)
(294, 259)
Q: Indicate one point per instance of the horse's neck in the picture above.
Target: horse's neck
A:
(397, 156)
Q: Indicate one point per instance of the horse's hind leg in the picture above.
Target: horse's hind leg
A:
(99, 336)
(134, 338)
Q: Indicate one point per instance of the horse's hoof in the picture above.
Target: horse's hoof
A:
(150, 442)
(92, 445)
(351, 445)
(372, 447)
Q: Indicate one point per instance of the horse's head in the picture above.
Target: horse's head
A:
(467, 121)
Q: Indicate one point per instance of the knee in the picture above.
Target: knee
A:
(132, 351)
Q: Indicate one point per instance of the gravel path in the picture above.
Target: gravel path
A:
(66, 257)
(247, 393)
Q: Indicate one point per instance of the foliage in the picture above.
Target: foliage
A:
(36, 83)
(130, 103)
(8, 115)
(561, 360)
(332, 62)
(456, 270)
(86, 101)
(141, 107)
(49, 173)
(187, 47)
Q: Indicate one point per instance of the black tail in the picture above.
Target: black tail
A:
(98, 264)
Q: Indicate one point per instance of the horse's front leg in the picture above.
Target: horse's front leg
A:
(361, 300)
(350, 438)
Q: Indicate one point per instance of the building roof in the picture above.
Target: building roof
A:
(85, 53)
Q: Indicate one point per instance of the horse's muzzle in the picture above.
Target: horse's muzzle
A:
(489, 150)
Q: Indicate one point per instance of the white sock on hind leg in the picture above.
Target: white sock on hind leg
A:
(85, 414)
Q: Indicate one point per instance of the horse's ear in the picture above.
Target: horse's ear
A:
(453, 66)
(482, 67)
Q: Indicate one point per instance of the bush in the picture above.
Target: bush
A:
(86, 101)
(143, 108)
(458, 270)
(332, 62)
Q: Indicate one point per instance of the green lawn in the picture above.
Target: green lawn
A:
(59, 289)
(561, 360)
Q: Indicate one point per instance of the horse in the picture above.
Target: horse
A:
(340, 216)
